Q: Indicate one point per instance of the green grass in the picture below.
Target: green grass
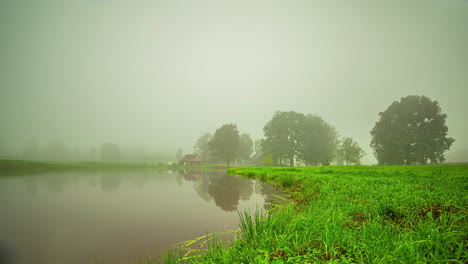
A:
(350, 214)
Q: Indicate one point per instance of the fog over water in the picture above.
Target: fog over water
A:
(118, 216)
(162, 73)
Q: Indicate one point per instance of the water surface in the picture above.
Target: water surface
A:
(117, 216)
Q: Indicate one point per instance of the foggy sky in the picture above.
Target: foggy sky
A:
(162, 73)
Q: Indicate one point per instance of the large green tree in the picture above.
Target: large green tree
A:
(225, 143)
(258, 145)
(245, 147)
(179, 154)
(349, 152)
(317, 141)
(411, 131)
(282, 136)
(110, 151)
(201, 147)
(291, 135)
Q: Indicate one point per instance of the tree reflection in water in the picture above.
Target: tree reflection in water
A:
(227, 190)
(110, 182)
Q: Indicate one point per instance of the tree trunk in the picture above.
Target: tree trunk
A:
(291, 161)
(228, 163)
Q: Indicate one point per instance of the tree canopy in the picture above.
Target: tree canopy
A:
(291, 135)
(245, 147)
(201, 147)
(282, 134)
(179, 154)
(411, 131)
(225, 143)
(318, 141)
(349, 152)
(258, 145)
(110, 151)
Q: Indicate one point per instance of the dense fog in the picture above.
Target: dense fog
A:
(154, 76)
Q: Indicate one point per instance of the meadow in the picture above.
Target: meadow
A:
(347, 214)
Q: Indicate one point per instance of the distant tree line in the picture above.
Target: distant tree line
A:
(409, 131)
(58, 150)
(292, 137)
(289, 137)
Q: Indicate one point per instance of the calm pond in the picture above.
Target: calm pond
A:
(74, 217)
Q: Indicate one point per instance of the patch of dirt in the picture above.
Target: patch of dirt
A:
(277, 254)
(357, 220)
(436, 210)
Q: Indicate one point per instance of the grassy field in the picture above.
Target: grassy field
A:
(350, 214)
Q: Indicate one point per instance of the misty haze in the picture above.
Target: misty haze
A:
(128, 127)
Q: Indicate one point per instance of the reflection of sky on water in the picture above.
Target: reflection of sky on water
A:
(67, 217)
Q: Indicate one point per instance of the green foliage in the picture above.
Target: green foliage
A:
(291, 135)
(258, 145)
(318, 141)
(282, 135)
(411, 131)
(245, 147)
(201, 147)
(110, 152)
(179, 154)
(349, 152)
(267, 160)
(225, 143)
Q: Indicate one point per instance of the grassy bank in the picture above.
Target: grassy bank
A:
(355, 214)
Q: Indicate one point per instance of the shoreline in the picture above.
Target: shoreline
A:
(351, 214)
(26, 167)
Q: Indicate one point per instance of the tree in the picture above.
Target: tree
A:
(31, 149)
(57, 150)
(201, 147)
(225, 190)
(411, 131)
(349, 152)
(92, 153)
(282, 136)
(179, 154)
(110, 151)
(225, 143)
(258, 145)
(291, 135)
(245, 147)
(318, 141)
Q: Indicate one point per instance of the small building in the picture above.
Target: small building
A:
(191, 160)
